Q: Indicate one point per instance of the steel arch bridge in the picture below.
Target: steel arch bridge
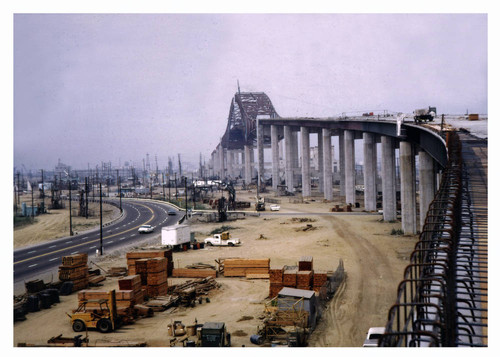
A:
(245, 109)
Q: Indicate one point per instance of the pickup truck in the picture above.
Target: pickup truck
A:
(373, 335)
(222, 239)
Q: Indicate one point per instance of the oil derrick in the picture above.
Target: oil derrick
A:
(55, 198)
(82, 211)
(222, 209)
(180, 166)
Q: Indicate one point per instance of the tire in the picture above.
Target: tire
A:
(231, 244)
(78, 326)
(104, 325)
(209, 244)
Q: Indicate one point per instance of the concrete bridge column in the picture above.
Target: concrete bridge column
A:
(427, 184)
(288, 158)
(306, 162)
(248, 164)
(370, 171)
(350, 172)
(295, 156)
(275, 156)
(327, 164)
(408, 194)
(222, 163)
(320, 162)
(342, 162)
(230, 163)
(388, 178)
(260, 155)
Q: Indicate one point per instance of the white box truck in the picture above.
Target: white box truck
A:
(176, 236)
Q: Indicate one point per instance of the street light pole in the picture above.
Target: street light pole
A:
(100, 214)
(70, 217)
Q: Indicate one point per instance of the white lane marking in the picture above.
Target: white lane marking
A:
(53, 246)
(51, 260)
(122, 238)
(94, 246)
(74, 252)
(33, 251)
(69, 242)
(34, 265)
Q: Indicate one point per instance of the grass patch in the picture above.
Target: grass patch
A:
(397, 232)
(222, 229)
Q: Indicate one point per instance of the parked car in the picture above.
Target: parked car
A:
(146, 229)
(275, 207)
(373, 335)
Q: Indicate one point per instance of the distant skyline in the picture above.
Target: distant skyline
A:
(92, 88)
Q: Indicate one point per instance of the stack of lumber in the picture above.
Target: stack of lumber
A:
(74, 268)
(132, 283)
(153, 273)
(124, 298)
(117, 271)
(275, 281)
(133, 256)
(193, 273)
(319, 279)
(306, 263)
(290, 278)
(304, 279)
(241, 267)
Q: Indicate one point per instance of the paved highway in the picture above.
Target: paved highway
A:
(40, 258)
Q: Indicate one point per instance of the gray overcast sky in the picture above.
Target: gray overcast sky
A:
(91, 88)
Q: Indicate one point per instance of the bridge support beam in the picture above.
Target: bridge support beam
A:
(342, 163)
(408, 191)
(306, 162)
(248, 164)
(260, 156)
(388, 178)
(222, 163)
(295, 157)
(350, 172)
(320, 162)
(275, 156)
(327, 164)
(288, 158)
(427, 183)
(370, 171)
(230, 163)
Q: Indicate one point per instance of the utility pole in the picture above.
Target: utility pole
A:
(163, 185)
(32, 204)
(176, 193)
(119, 188)
(86, 197)
(186, 195)
(100, 214)
(169, 184)
(70, 223)
(194, 192)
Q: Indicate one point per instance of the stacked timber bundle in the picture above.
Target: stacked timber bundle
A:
(132, 257)
(132, 283)
(193, 273)
(153, 272)
(275, 281)
(74, 268)
(125, 301)
(319, 279)
(306, 263)
(241, 267)
(304, 279)
(290, 278)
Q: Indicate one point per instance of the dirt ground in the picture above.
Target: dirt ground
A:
(374, 261)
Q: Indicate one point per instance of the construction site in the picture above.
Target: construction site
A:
(300, 279)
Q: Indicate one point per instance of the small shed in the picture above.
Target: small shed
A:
(310, 303)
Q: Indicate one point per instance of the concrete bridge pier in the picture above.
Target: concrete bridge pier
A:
(230, 163)
(295, 158)
(222, 163)
(388, 168)
(260, 155)
(350, 172)
(275, 156)
(370, 171)
(342, 162)
(321, 185)
(427, 183)
(248, 164)
(408, 191)
(327, 164)
(306, 162)
(288, 158)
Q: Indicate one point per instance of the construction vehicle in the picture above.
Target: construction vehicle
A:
(214, 334)
(103, 318)
(423, 115)
(260, 204)
(222, 239)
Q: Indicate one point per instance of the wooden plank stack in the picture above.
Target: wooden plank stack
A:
(153, 273)
(319, 279)
(133, 256)
(124, 298)
(275, 281)
(74, 268)
(306, 263)
(132, 283)
(193, 273)
(235, 267)
(304, 279)
(290, 278)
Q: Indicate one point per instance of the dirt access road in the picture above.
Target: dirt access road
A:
(374, 261)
